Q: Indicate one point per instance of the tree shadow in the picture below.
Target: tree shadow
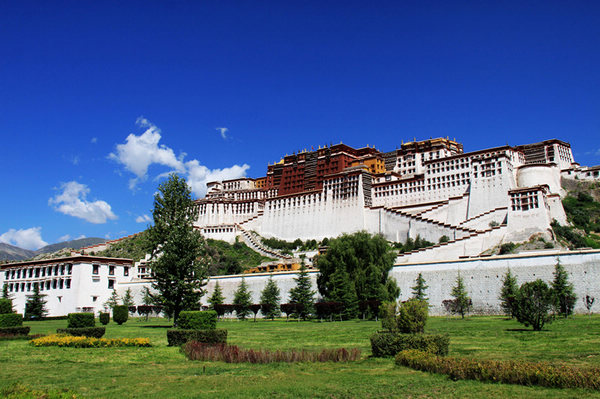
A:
(157, 326)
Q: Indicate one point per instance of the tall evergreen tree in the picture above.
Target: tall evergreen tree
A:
(113, 300)
(175, 248)
(508, 294)
(462, 301)
(128, 298)
(5, 293)
(342, 290)
(419, 289)
(242, 300)
(35, 308)
(269, 300)
(562, 291)
(217, 297)
(302, 293)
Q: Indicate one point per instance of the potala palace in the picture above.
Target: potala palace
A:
(432, 189)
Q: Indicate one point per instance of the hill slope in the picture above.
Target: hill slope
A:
(10, 252)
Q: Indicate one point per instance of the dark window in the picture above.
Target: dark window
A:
(125, 271)
(28, 286)
(37, 272)
(61, 284)
(68, 283)
(69, 268)
(54, 284)
(95, 269)
(111, 284)
(111, 270)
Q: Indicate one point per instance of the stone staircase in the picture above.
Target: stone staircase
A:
(253, 241)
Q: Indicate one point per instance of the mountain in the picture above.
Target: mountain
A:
(10, 252)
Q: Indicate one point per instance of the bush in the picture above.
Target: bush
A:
(196, 320)
(507, 248)
(232, 354)
(93, 332)
(88, 342)
(508, 372)
(532, 304)
(80, 320)
(120, 314)
(387, 314)
(11, 320)
(5, 306)
(178, 337)
(14, 331)
(412, 316)
(104, 318)
(387, 344)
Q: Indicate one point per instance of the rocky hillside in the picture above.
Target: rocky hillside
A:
(12, 253)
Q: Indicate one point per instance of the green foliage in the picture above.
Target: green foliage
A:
(223, 258)
(533, 303)
(217, 297)
(175, 247)
(562, 291)
(508, 294)
(128, 298)
(20, 391)
(14, 332)
(242, 300)
(413, 245)
(79, 320)
(507, 372)
(5, 294)
(507, 248)
(582, 211)
(178, 337)
(11, 320)
(444, 239)
(302, 293)
(132, 247)
(387, 314)
(5, 306)
(270, 298)
(388, 344)
(462, 302)
(104, 318)
(92, 332)
(120, 314)
(419, 289)
(35, 307)
(356, 268)
(112, 301)
(412, 316)
(286, 246)
(197, 320)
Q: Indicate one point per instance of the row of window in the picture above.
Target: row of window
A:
(111, 270)
(42, 285)
(36, 272)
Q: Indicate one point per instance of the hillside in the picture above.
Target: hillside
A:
(12, 253)
(73, 244)
(582, 207)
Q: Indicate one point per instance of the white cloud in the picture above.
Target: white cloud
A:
(66, 237)
(24, 238)
(143, 219)
(223, 131)
(81, 236)
(94, 140)
(139, 152)
(598, 152)
(72, 201)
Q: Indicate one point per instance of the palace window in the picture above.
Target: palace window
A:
(111, 284)
(95, 269)
(111, 270)
(68, 283)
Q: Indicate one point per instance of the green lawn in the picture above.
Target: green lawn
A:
(162, 372)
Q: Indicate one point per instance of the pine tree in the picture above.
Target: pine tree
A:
(563, 292)
(302, 294)
(147, 297)
(5, 293)
(420, 288)
(242, 300)
(269, 300)
(217, 297)
(128, 298)
(343, 291)
(112, 301)
(35, 308)
(462, 301)
(508, 294)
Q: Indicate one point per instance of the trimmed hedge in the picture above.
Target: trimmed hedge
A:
(5, 306)
(11, 320)
(81, 320)
(88, 342)
(508, 372)
(197, 320)
(93, 332)
(120, 314)
(14, 331)
(177, 337)
(388, 344)
(104, 318)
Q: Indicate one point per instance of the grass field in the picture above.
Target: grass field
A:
(163, 372)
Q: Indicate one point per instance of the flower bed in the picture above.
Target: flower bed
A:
(88, 342)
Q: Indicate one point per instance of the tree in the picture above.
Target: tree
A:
(366, 260)
(563, 292)
(128, 298)
(343, 291)
(420, 288)
(508, 294)
(217, 297)
(5, 293)
(175, 248)
(242, 300)
(462, 301)
(412, 317)
(302, 293)
(35, 308)
(533, 303)
(269, 300)
(112, 301)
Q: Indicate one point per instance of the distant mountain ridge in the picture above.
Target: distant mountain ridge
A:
(13, 253)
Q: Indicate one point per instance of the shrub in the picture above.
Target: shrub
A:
(93, 332)
(196, 320)
(387, 314)
(88, 342)
(5, 306)
(14, 331)
(120, 314)
(177, 337)
(507, 248)
(194, 350)
(387, 344)
(104, 318)
(11, 320)
(80, 320)
(509, 372)
(412, 317)
(533, 302)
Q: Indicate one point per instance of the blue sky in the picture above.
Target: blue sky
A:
(98, 100)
